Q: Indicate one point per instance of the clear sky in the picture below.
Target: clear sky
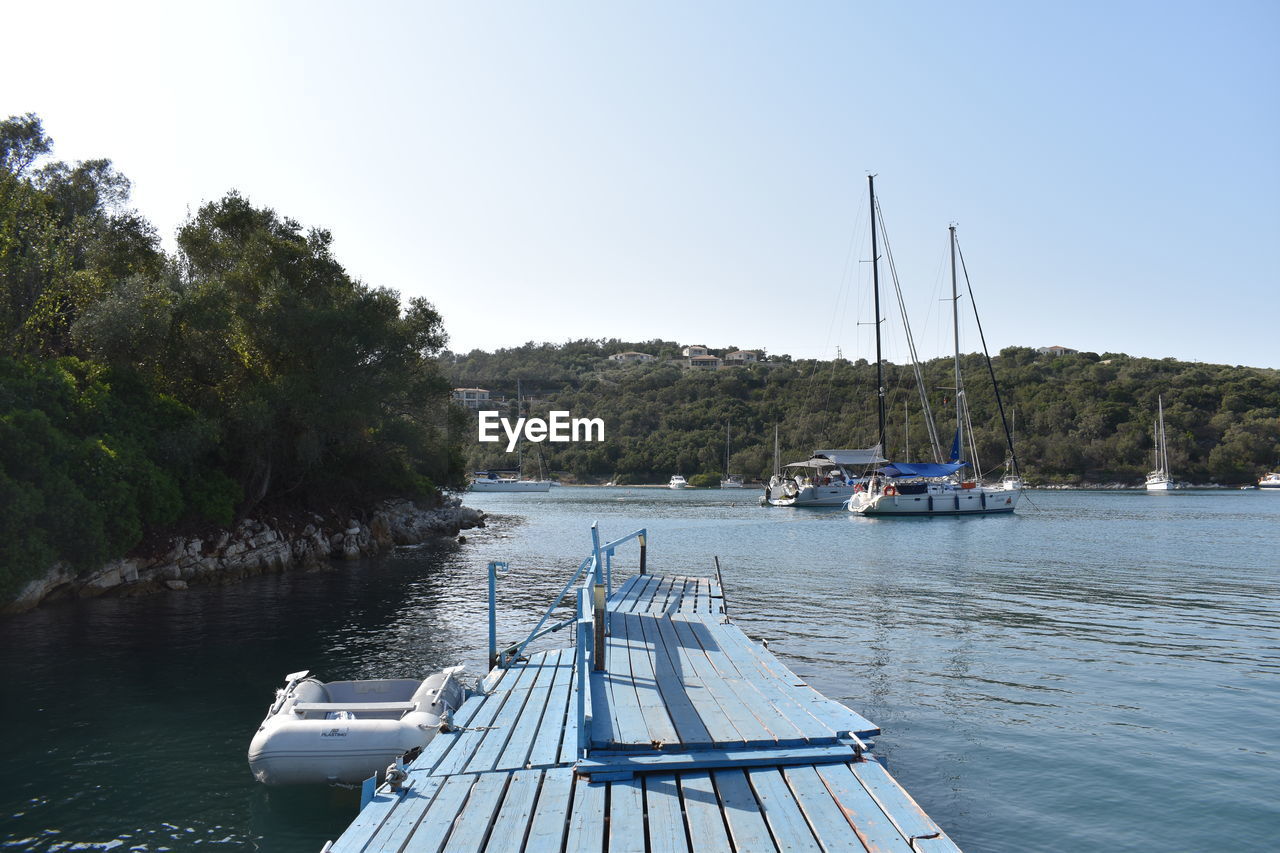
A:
(697, 171)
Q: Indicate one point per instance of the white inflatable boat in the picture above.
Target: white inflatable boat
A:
(346, 731)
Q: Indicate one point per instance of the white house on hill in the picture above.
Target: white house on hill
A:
(472, 398)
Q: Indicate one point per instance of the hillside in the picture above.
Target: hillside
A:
(1081, 418)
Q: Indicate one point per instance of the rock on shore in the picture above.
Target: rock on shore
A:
(252, 547)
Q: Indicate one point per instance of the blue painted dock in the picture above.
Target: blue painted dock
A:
(663, 728)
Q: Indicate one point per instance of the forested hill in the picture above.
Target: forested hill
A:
(141, 390)
(1082, 418)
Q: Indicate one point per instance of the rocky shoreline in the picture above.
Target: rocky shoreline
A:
(252, 547)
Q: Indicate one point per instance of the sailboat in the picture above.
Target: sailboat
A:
(730, 481)
(930, 488)
(510, 480)
(1159, 479)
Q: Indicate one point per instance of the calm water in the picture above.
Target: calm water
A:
(1099, 671)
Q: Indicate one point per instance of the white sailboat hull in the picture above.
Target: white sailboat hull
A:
(813, 496)
(979, 500)
(501, 485)
(1160, 484)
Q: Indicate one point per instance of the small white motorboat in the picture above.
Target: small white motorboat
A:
(346, 731)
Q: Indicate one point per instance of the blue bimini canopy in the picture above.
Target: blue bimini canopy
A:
(921, 469)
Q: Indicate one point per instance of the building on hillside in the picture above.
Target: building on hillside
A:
(694, 350)
(746, 356)
(703, 362)
(472, 398)
(1056, 350)
(632, 356)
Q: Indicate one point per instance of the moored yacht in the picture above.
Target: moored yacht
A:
(677, 481)
(934, 488)
(1270, 481)
(935, 496)
(1159, 479)
(506, 481)
(827, 478)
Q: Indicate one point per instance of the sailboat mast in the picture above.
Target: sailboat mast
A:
(875, 284)
(726, 448)
(1161, 448)
(955, 329)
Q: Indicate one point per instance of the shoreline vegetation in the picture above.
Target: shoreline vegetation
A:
(1077, 418)
(145, 392)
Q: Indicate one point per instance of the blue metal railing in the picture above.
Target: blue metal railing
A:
(590, 616)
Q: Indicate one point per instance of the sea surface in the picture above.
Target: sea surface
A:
(1100, 671)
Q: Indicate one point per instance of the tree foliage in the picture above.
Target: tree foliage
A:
(140, 389)
(1080, 418)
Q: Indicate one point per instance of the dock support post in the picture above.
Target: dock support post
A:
(580, 670)
(493, 615)
(643, 552)
(597, 647)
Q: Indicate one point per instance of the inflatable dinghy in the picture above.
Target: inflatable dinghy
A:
(346, 731)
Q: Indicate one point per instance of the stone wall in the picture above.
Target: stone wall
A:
(251, 548)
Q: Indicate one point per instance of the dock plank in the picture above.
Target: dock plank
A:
(781, 811)
(874, 828)
(628, 596)
(757, 720)
(520, 743)
(629, 726)
(516, 812)
(396, 822)
(895, 802)
(429, 834)
(626, 815)
(499, 731)
(471, 829)
(684, 714)
(558, 721)
(551, 813)
(657, 720)
(747, 827)
(725, 729)
(752, 660)
(822, 811)
(586, 824)
(666, 821)
(703, 817)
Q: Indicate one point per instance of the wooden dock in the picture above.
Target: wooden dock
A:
(677, 732)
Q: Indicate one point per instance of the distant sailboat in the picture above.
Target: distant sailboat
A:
(1159, 479)
(507, 480)
(730, 481)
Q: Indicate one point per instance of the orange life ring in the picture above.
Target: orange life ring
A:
(890, 490)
